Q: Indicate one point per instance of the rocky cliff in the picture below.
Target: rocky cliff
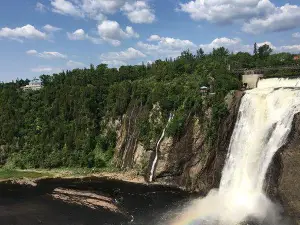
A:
(282, 183)
(189, 160)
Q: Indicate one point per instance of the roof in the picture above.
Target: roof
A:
(204, 87)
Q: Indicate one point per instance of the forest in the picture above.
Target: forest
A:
(65, 123)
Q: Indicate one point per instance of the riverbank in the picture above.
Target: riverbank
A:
(19, 176)
(89, 200)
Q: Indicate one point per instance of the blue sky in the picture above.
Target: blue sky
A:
(47, 36)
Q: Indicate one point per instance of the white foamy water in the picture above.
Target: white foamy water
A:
(263, 125)
(278, 82)
(157, 149)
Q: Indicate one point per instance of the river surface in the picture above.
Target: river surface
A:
(137, 204)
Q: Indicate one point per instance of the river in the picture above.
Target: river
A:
(87, 201)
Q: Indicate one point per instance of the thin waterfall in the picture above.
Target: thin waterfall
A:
(157, 148)
(263, 125)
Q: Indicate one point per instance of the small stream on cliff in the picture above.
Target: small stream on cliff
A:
(262, 127)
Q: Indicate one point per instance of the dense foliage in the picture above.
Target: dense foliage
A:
(63, 124)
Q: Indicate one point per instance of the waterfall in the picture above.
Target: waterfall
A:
(263, 125)
(157, 148)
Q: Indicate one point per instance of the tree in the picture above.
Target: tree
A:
(200, 54)
(264, 51)
(255, 50)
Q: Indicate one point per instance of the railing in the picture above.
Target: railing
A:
(264, 69)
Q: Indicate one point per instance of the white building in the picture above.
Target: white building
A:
(34, 85)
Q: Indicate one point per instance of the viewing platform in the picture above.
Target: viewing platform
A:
(250, 78)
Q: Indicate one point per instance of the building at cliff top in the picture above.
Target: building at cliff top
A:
(34, 85)
(297, 58)
(250, 78)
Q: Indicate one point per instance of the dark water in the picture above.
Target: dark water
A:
(148, 205)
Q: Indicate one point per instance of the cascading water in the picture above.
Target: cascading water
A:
(157, 149)
(263, 125)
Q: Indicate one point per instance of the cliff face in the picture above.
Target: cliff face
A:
(190, 162)
(284, 174)
(187, 161)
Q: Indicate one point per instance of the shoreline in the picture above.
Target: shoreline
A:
(69, 174)
(32, 176)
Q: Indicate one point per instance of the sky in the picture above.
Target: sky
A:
(48, 36)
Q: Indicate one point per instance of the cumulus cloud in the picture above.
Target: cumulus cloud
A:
(97, 9)
(233, 45)
(226, 11)
(111, 32)
(139, 12)
(20, 33)
(154, 38)
(31, 52)
(166, 46)
(66, 8)
(296, 35)
(258, 16)
(290, 48)
(73, 64)
(283, 18)
(127, 55)
(42, 69)
(46, 55)
(114, 63)
(40, 7)
(103, 6)
(80, 35)
(50, 28)
(117, 59)
(267, 43)
(77, 35)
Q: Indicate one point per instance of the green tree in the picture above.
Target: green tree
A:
(264, 51)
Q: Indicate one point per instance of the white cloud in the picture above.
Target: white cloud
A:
(283, 18)
(80, 35)
(267, 43)
(40, 7)
(226, 11)
(139, 12)
(233, 45)
(117, 59)
(47, 55)
(127, 55)
(19, 33)
(66, 8)
(31, 52)
(154, 38)
(50, 28)
(114, 63)
(166, 46)
(97, 9)
(290, 48)
(296, 35)
(102, 6)
(111, 32)
(42, 69)
(258, 16)
(73, 64)
(77, 35)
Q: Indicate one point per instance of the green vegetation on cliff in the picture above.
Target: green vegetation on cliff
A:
(65, 124)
